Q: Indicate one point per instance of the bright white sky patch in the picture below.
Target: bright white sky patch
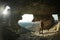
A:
(5, 12)
(55, 16)
(27, 18)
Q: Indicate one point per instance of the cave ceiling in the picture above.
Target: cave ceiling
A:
(37, 7)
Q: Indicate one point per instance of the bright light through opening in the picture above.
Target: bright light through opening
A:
(5, 12)
(55, 16)
(27, 18)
